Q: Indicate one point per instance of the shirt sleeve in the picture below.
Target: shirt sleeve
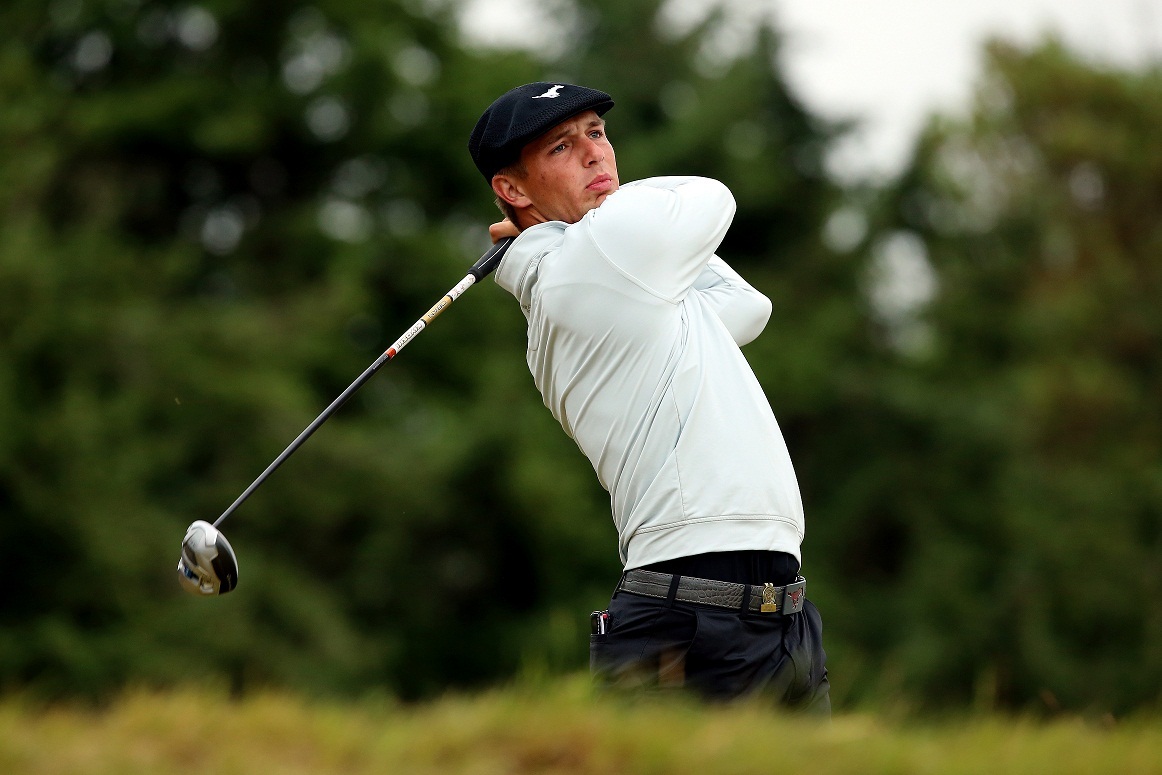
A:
(742, 309)
(663, 231)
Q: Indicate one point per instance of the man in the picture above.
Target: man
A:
(634, 330)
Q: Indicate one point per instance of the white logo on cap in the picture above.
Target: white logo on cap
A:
(550, 94)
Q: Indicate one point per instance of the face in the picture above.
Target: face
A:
(569, 170)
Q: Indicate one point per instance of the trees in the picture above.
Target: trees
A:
(1032, 572)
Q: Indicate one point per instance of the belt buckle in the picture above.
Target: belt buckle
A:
(770, 604)
(794, 596)
(789, 602)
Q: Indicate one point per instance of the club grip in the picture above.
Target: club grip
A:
(490, 260)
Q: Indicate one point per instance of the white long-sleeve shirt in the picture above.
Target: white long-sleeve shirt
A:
(634, 330)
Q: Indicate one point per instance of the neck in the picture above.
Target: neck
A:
(530, 216)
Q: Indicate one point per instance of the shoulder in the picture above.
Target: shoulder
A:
(526, 251)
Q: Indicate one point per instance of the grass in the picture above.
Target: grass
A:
(555, 728)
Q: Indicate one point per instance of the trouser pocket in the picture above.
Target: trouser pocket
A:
(641, 643)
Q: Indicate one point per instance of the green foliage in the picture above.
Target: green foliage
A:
(1031, 573)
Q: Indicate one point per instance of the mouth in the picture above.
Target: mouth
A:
(601, 184)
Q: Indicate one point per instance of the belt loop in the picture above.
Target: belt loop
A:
(673, 593)
(745, 598)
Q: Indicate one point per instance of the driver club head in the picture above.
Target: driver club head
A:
(207, 565)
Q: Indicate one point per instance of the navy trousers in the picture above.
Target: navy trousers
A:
(717, 653)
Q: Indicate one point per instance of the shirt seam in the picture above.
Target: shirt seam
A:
(677, 457)
(722, 518)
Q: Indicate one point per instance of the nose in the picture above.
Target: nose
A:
(594, 153)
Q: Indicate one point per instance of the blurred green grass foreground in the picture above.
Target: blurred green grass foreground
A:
(548, 728)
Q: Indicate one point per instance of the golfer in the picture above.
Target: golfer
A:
(634, 330)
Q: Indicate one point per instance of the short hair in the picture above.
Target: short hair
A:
(516, 170)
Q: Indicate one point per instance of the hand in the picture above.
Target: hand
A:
(499, 231)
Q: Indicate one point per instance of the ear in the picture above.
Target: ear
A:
(510, 190)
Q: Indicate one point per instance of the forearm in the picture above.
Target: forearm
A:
(662, 231)
(742, 309)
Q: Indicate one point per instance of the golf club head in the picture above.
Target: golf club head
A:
(207, 565)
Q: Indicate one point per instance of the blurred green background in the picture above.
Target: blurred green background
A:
(215, 216)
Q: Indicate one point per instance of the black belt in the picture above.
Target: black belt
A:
(723, 594)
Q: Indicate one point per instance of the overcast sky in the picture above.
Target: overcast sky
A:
(888, 63)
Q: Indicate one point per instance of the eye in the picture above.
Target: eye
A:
(558, 148)
(597, 134)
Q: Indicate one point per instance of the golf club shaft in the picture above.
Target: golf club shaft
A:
(478, 272)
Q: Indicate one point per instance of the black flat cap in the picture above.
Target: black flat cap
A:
(524, 114)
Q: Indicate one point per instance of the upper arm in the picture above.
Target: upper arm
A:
(663, 231)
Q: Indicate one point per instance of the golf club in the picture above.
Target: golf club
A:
(208, 565)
